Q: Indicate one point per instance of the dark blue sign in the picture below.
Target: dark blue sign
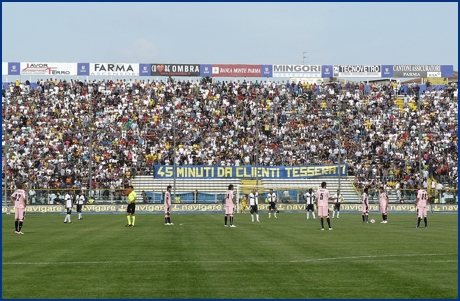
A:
(14, 68)
(447, 71)
(144, 69)
(266, 70)
(206, 70)
(83, 69)
(327, 71)
(387, 71)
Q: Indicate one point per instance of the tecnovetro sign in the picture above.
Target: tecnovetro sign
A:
(300, 71)
(357, 71)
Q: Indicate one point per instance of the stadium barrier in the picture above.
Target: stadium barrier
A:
(289, 200)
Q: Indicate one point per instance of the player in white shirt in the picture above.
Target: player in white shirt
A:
(272, 199)
(338, 199)
(254, 202)
(80, 201)
(309, 198)
(68, 204)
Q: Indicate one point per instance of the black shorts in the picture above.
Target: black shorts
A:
(337, 206)
(69, 210)
(310, 207)
(254, 209)
(131, 208)
(79, 208)
(272, 206)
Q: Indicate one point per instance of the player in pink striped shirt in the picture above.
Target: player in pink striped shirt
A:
(19, 198)
(383, 203)
(230, 202)
(421, 202)
(322, 198)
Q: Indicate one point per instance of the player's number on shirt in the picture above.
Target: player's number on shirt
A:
(424, 196)
(321, 196)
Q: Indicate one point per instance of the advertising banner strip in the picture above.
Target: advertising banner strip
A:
(219, 208)
(219, 70)
(48, 69)
(14, 68)
(412, 71)
(298, 71)
(357, 71)
(114, 69)
(249, 172)
(175, 70)
(267, 70)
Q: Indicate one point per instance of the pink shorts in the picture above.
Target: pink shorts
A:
(383, 209)
(323, 211)
(19, 214)
(167, 212)
(229, 210)
(421, 211)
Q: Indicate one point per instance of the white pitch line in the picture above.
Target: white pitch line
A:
(361, 258)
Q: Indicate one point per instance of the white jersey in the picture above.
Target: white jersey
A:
(338, 198)
(253, 198)
(68, 201)
(309, 197)
(271, 197)
(80, 200)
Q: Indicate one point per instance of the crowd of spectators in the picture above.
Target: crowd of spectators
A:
(48, 130)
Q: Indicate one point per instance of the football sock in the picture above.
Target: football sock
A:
(383, 216)
(166, 220)
(79, 215)
(129, 219)
(225, 219)
(367, 218)
(328, 222)
(322, 223)
(231, 220)
(313, 213)
(386, 217)
(338, 214)
(68, 215)
(16, 224)
(257, 217)
(134, 219)
(20, 226)
(169, 219)
(308, 214)
(424, 219)
(363, 218)
(274, 213)
(418, 222)
(252, 217)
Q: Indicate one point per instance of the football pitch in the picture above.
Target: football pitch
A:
(287, 257)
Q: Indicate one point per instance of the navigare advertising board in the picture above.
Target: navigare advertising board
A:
(172, 69)
(114, 69)
(357, 71)
(299, 71)
(220, 70)
(43, 68)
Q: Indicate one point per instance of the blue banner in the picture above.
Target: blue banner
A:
(266, 70)
(83, 69)
(144, 69)
(250, 172)
(447, 71)
(387, 71)
(327, 71)
(206, 70)
(14, 68)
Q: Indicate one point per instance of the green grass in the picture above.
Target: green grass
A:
(287, 257)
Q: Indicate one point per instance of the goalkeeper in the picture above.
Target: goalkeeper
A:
(338, 199)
